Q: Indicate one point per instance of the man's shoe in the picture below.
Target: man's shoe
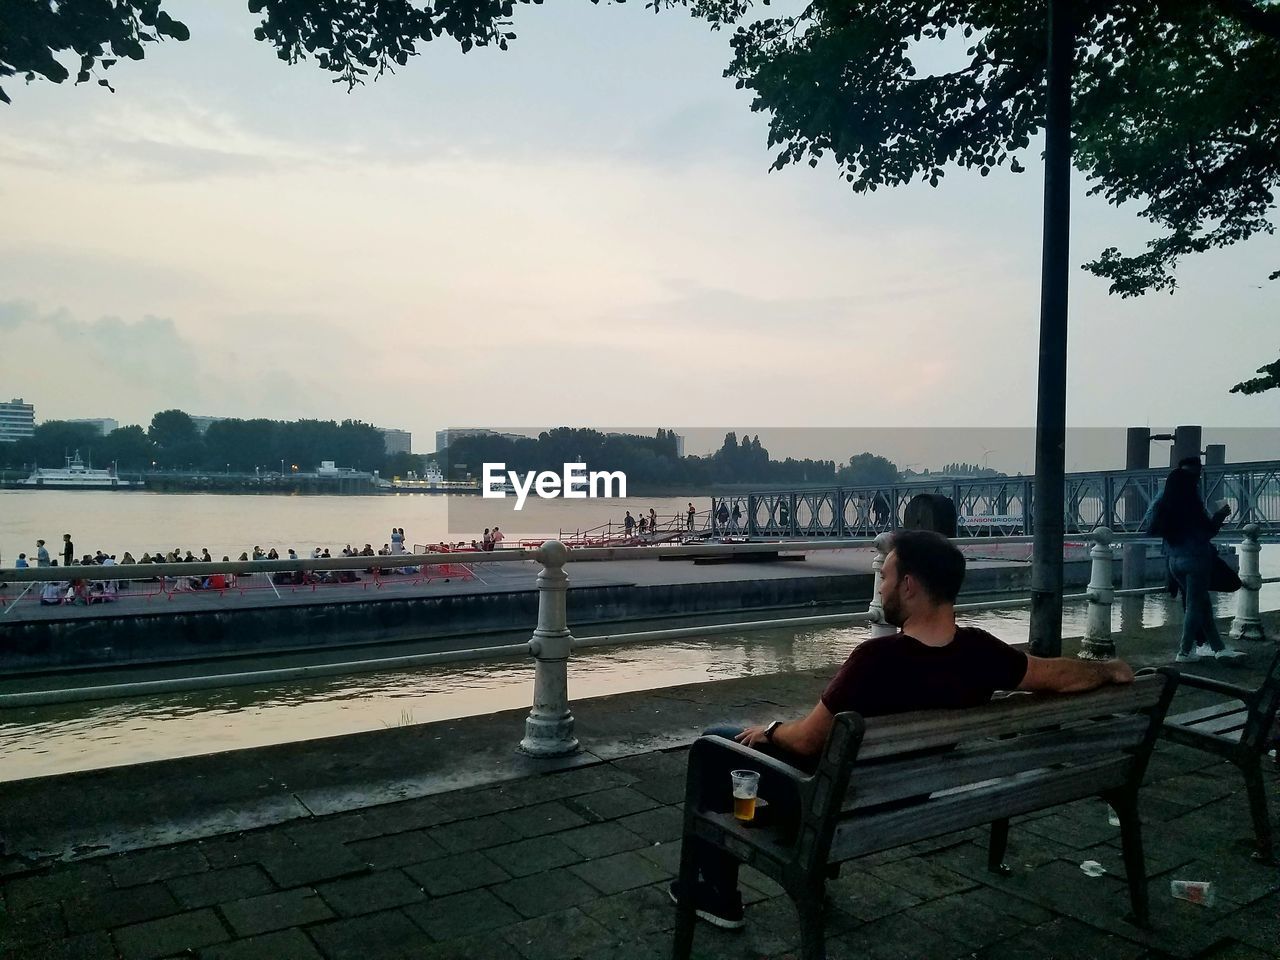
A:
(1226, 653)
(1187, 658)
(721, 910)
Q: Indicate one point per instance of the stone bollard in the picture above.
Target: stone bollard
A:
(548, 731)
(1098, 644)
(1247, 624)
(879, 626)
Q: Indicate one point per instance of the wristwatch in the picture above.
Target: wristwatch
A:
(768, 731)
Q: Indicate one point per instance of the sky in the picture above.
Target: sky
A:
(580, 231)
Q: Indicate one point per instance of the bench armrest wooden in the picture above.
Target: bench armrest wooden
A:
(708, 787)
(1243, 694)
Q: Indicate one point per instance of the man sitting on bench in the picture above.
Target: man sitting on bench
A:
(931, 664)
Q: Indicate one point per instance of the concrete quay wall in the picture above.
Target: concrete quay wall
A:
(109, 637)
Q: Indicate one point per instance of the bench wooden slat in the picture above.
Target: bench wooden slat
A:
(1011, 796)
(886, 781)
(1233, 722)
(1222, 709)
(907, 732)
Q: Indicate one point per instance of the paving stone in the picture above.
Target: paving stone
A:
(925, 879)
(293, 868)
(116, 908)
(149, 866)
(543, 893)
(397, 849)
(481, 946)
(400, 817)
(602, 839)
(468, 804)
(370, 893)
(666, 790)
(972, 920)
(634, 912)
(255, 847)
(275, 911)
(87, 946)
(281, 945)
(534, 855)
(218, 886)
(64, 882)
(463, 914)
(865, 897)
(1067, 831)
(555, 936)
(372, 937)
(541, 819)
(464, 871)
(1257, 925)
(1061, 939)
(898, 937)
(611, 804)
(159, 938)
(1160, 858)
(758, 881)
(622, 871)
(1193, 789)
(664, 856)
(646, 947)
(40, 923)
(465, 835)
(660, 824)
(1238, 951)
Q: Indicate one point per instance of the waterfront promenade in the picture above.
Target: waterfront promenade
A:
(437, 841)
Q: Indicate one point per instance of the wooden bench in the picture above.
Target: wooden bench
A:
(1238, 730)
(888, 781)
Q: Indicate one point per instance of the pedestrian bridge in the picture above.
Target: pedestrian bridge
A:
(996, 506)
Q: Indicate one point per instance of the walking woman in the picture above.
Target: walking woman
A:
(1178, 517)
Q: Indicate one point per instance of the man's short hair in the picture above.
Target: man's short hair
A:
(933, 560)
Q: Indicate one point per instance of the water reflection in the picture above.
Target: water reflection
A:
(56, 739)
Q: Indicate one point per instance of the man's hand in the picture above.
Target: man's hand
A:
(1118, 671)
(753, 736)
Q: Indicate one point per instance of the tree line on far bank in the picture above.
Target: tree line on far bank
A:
(173, 442)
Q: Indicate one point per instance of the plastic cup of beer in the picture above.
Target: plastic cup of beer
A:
(746, 783)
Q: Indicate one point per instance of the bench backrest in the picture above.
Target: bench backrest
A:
(890, 780)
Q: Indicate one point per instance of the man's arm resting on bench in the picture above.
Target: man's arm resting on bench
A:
(804, 738)
(1068, 675)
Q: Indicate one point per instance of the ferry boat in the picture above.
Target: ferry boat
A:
(76, 476)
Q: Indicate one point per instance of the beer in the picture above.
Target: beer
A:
(745, 785)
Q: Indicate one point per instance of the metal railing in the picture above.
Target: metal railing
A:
(996, 506)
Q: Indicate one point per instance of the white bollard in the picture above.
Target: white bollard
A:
(1248, 625)
(879, 626)
(1098, 644)
(548, 731)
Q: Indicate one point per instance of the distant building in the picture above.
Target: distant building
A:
(445, 437)
(103, 425)
(17, 420)
(396, 441)
(204, 423)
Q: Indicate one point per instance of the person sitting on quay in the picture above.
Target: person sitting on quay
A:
(22, 562)
(497, 537)
(54, 592)
(204, 556)
(930, 664)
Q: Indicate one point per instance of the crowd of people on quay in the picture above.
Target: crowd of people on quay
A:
(77, 585)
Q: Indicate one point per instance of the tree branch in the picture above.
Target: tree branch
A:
(1264, 20)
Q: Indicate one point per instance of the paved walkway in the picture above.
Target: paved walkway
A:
(574, 864)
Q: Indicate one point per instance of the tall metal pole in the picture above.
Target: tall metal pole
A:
(1051, 413)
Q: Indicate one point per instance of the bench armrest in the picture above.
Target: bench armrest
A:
(707, 787)
(1218, 686)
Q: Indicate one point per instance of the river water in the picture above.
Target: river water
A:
(228, 525)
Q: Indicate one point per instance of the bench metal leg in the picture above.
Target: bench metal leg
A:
(810, 905)
(998, 845)
(1135, 861)
(1257, 792)
(686, 905)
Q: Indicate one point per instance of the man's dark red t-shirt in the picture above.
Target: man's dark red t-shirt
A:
(899, 674)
